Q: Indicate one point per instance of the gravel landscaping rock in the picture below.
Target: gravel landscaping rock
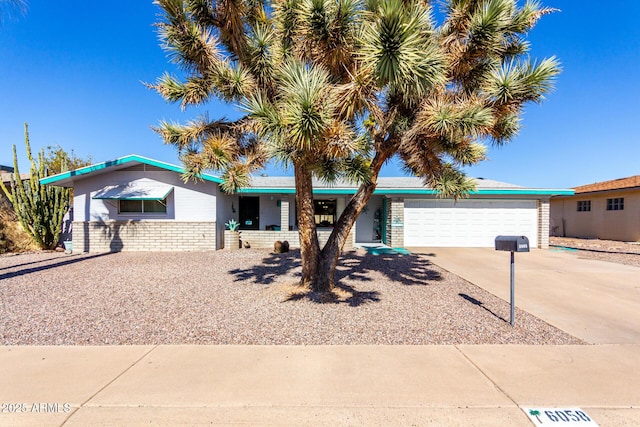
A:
(627, 253)
(248, 297)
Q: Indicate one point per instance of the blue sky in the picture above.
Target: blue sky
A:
(74, 74)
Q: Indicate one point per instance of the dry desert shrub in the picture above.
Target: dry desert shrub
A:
(13, 238)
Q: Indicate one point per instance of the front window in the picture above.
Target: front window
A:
(616, 204)
(143, 206)
(324, 212)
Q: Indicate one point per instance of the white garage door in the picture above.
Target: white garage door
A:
(468, 223)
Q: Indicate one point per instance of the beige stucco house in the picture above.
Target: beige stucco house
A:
(604, 210)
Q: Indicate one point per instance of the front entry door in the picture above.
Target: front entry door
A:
(249, 213)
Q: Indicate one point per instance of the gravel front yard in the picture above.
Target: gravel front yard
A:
(248, 297)
(603, 250)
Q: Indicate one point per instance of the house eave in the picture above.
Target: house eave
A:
(415, 191)
(65, 179)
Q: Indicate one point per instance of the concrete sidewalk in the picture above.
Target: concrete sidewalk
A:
(481, 385)
(594, 300)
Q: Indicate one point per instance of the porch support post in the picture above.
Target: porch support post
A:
(395, 222)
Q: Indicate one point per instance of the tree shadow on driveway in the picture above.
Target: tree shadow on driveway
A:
(353, 266)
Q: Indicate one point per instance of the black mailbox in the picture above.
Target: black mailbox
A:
(512, 243)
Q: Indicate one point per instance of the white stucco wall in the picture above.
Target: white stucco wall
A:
(192, 201)
(365, 222)
(269, 210)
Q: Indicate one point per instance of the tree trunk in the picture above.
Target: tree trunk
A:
(309, 246)
(333, 248)
(325, 265)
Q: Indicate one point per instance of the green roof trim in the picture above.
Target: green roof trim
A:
(488, 191)
(290, 190)
(423, 192)
(271, 190)
(121, 161)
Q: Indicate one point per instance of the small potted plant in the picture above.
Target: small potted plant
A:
(232, 235)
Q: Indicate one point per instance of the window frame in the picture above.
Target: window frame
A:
(615, 204)
(142, 211)
(584, 206)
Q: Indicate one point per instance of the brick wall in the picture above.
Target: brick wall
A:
(114, 236)
(266, 239)
(395, 222)
(543, 224)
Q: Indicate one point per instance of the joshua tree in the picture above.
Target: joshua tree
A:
(336, 88)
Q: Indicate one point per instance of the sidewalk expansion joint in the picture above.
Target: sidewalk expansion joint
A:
(484, 374)
(82, 405)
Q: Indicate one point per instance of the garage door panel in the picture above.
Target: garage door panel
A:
(468, 222)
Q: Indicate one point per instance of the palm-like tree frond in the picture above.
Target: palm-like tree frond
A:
(189, 44)
(260, 54)
(468, 153)
(506, 127)
(230, 20)
(219, 150)
(194, 132)
(327, 33)
(519, 82)
(358, 96)
(285, 22)
(233, 83)
(236, 177)
(307, 103)
(357, 170)
(266, 117)
(339, 141)
(453, 119)
(525, 19)
(399, 44)
(486, 31)
(450, 183)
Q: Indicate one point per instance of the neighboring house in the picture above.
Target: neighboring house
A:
(136, 203)
(604, 210)
(6, 173)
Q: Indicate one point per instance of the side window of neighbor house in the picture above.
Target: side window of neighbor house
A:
(142, 206)
(584, 205)
(616, 204)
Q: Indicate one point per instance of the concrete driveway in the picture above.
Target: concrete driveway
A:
(594, 300)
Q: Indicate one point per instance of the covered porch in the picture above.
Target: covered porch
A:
(265, 218)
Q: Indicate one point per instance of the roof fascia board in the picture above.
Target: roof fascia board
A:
(401, 191)
(120, 161)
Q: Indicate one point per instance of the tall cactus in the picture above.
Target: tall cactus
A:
(40, 208)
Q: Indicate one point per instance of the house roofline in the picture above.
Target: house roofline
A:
(53, 179)
(587, 194)
(68, 177)
(423, 192)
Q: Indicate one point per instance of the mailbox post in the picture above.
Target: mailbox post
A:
(512, 244)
